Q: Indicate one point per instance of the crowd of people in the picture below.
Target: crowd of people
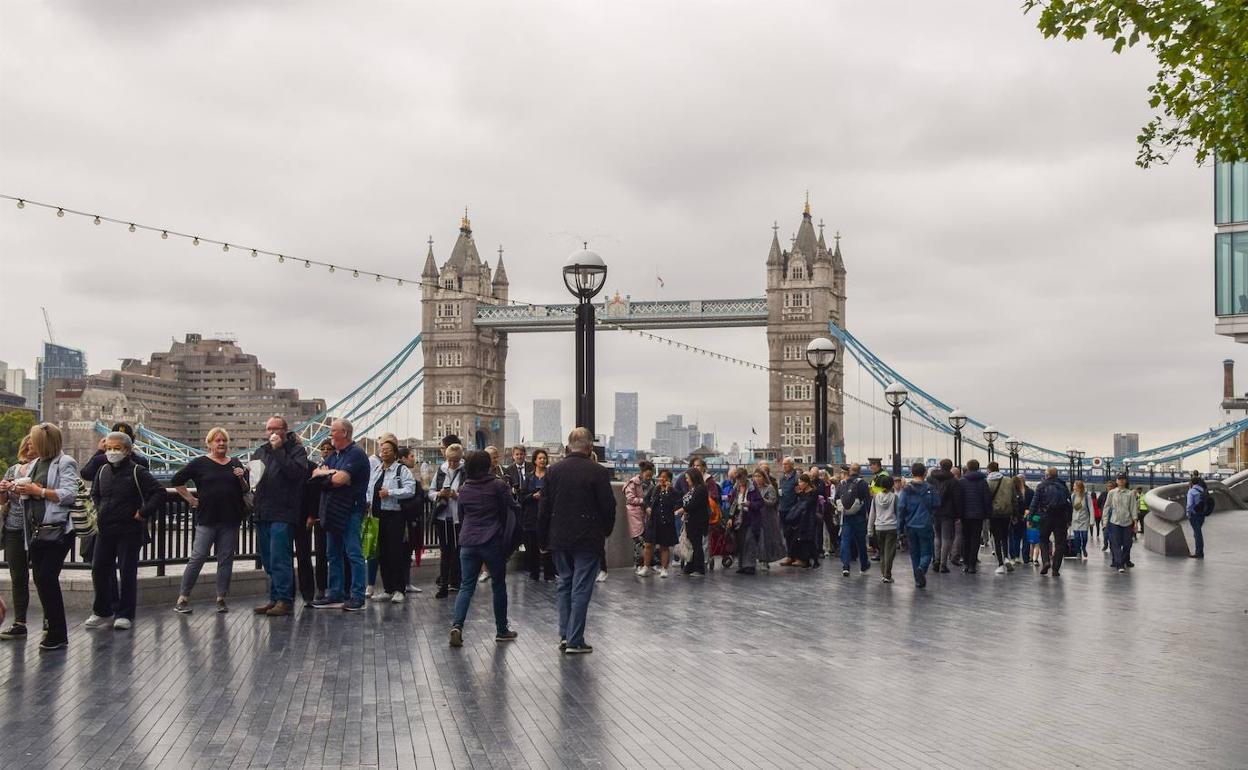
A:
(331, 520)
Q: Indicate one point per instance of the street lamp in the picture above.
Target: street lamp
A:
(1152, 467)
(1079, 459)
(1012, 445)
(896, 395)
(957, 420)
(1171, 474)
(820, 354)
(990, 435)
(584, 273)
(1072, 453)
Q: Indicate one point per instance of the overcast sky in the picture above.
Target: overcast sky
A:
(1003, 250)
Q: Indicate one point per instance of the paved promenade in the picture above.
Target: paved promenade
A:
(791, 669)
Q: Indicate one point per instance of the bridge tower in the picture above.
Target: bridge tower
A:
(464, 364)
(805, 290)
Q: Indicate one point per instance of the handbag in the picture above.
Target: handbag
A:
(684, 549)
(369, 535)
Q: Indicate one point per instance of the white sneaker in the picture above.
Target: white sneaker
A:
(411, 589)
(368, 592)
(121, 624)
(644, 572)
(484, 577)
(663, 573)
(95, 621)
(1001, 570)
(397, 597)
(602, 576)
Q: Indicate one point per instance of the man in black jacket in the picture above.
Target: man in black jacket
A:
(945, 524)
(518, 471)
(1052, 502)
(278, 500)
(576, 516)
(976, 500)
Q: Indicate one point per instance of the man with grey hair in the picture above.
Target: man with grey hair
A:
(1052, 504)
(576, 516)
(345, 479)
(278, 500)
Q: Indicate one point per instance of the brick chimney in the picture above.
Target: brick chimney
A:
(1228, 379)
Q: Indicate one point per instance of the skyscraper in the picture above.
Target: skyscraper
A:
(547, 421)
(624, 435)
(58, 363)
(511, 425)
(1126, 443)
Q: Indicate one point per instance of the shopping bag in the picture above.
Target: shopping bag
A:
(368, 536)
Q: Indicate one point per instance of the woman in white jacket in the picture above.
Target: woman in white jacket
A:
(882, 524)
(1081, 519)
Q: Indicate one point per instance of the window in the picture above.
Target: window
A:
(449, 358)
(797, 392)
(798, 273)
(796, 299)
(794, 353)
(448, 310)
(1230, 193)
(449, 397)
(1231, 274)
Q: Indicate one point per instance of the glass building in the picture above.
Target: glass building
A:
(59, 362)
(1230, 303)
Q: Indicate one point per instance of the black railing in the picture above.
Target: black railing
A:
(171, 534)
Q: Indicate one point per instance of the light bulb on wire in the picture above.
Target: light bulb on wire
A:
(331, 268)
(355, 273)
(60, 212)
(225, 247)
(306, 263)
(97, 220)
(195, 241)
(253, 253)
(164, 235)
(21, 204)
(131, 228)
(280, 259)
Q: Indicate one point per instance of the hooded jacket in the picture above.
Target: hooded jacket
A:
(917, 505)
(944, 485)
(120, 491)
(883, 512)
(975, 496)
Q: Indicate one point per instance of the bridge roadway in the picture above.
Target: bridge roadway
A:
(788, 669)
(627, 314)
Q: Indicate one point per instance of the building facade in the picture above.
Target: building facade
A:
(511, 426)
(624, 434)
(1126, 444)
(805, 290)
(547, 421)
(464, 364)
(1230, 216)
(58, 363)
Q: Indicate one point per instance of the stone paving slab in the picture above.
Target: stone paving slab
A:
(789, 669)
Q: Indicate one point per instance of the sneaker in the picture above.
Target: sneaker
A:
(944, 569)
(441, 594)
(411, 589)
(122, 624)
(602, 576)
(182, 606)
(325, 603)
(368, 592)
(95, 621)
(663, 573)
(1009, 567)
(786, 561)
(15, 631)
(1056, 572)
(583, 649)
(886, 580)
(263, 609)
(1130, 564)
(397, 598)
(920, 581)
(485, 576)
(222, 607)
(280, 609)
(1000, 570)
(844, 573)
(1122, 570)
(645, 572)
(48, 646)
(457, 637)
(563, 645)
(1044, 570)
(353, 605)
(506, 636)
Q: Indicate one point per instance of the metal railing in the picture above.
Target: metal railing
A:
(172, 532)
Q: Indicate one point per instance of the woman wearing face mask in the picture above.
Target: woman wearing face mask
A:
(126, 497)
(220, 481)
(49, 489)
(15, 541)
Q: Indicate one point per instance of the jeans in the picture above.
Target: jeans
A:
(1000, 528)
(312, 580)
(19, 572)
(225, 539)
(886, 540)
(344, 547)
(1052, 539)
(1197, 532)
(1119, 544)
(46, 560)
(948, 529)
(921, 551)
(854, 540)
(116, 554)
(1080, 537)
(574, 587)
(276, 541)
(471, 557)
(1016, 537)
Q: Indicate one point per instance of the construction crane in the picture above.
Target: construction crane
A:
(48, 323)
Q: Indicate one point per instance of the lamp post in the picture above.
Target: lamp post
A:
(990, 435)
(1152, 467)
(1171, 474)
(584, 273)
(820, 354)
(896, 395)
(1011, 446)
(1072, 453)
(1079, 454)
(957, 420)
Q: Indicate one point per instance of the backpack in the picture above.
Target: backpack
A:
(1003, 504)
(1205, 506)
(1054, 503)
(82, 511)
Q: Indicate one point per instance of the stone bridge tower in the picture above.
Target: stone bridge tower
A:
(464, 364)
(805, 290)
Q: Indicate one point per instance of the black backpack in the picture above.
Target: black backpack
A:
(1206, 502)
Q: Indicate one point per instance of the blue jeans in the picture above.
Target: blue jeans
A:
(1080, 537)
(471, 557)
(1015, 537)
(922, 549)
(276, 541)
(1119, 545)
(1198, 525)
(574, 586)
(854, 536)
(346, 546)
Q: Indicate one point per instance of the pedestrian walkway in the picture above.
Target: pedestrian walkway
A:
(791, 669)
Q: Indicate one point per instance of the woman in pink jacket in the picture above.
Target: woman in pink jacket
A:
(635, 492)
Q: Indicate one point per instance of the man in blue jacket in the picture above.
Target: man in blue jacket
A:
(1198, 506)
(915, 511)
(976, 501)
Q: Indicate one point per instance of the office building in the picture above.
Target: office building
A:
(1230, 217)
(548, 421)
(624, 435)
(58, 363)
(511, 426)
(1126, 444)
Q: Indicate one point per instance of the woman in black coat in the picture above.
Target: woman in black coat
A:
(696, 511)
(539, 565)
(661, 505)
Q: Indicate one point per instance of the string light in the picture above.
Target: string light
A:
(195, 241)
(225, 247)
(306, 263)
(378, 277)
(97, 220)
(355, 273)
(164, 235)
(131, 228)
(280, 259)
(331, 268)
(60, 212)
(21, 204)
(253, 253)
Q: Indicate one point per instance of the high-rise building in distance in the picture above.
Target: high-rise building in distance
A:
(624, 435)
(58, 363)
(511, 426)
(1126, 443)
(547, 421)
